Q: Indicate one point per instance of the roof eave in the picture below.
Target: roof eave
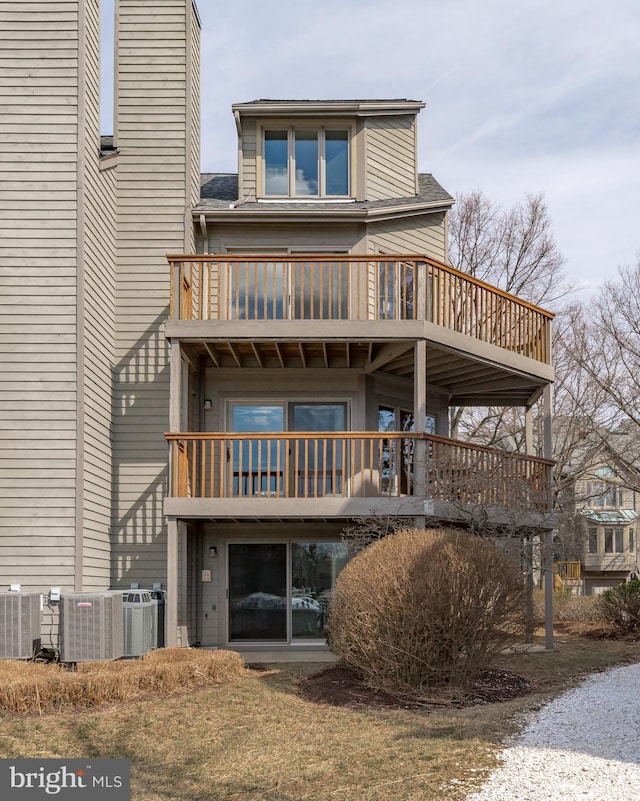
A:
(363, 108)
(329, 215)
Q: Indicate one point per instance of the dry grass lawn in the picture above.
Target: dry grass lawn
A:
(252, 737)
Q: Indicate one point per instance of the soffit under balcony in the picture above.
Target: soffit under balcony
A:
(467, 380)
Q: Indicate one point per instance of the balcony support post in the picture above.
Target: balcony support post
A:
(175, 396)
(175, 387)
(172, 583)
(548, 535)
(420, 424)
(528, 430)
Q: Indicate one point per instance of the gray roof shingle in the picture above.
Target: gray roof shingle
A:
(219, 190)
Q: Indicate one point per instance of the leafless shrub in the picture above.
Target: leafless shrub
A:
(569, 608)
(424, 609)
(368, 530)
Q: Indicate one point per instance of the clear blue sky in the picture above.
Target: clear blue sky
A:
(522, 97)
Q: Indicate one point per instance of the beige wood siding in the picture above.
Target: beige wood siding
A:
(154, 172)
(222, 385)
(248, 160)
(97, 327)
(194, 131)
(227, 237)
(424, 235)
(211, 591)
(38, 184)
(390, 157)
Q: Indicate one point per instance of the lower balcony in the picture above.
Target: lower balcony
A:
(347, 474)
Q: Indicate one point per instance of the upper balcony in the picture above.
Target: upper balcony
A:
(350, 297)
(484, 347)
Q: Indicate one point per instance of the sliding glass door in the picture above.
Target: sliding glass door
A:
(258, 591)
(279, 592)
(257, 464)
(310, 467)
(319, 463)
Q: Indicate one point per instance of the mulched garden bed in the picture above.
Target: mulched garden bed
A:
(340, 686)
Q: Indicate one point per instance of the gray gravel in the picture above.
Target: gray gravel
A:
(584, 746)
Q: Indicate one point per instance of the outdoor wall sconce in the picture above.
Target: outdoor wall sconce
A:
(213, 552)
(208, 404)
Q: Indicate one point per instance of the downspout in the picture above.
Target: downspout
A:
(236, 116)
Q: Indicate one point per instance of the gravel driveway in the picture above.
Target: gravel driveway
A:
(584, 746)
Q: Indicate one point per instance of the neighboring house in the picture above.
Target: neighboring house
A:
(604, 529)
(292, 335)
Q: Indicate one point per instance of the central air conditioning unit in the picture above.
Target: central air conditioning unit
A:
(20, 624)
(91, 626)
(139, 611)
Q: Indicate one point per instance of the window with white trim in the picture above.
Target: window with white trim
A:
(306, 161)
(604, 494)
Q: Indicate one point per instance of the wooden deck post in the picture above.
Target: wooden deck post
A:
(420, 424)
(548, 535)
(172, 583)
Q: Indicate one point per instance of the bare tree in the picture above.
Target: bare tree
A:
(513, 249)
(604, 347)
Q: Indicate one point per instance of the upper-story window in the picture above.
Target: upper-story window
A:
(306, 161)
(604, 494)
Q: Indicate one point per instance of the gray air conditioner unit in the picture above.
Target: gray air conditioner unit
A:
(139, 622)
(20, 624)
(91, 626)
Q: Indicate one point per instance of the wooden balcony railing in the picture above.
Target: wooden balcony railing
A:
(568, 571)
(355, 464)
(402, 287)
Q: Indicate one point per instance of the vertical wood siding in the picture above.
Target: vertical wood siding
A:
(38, 175)
(391, 159)
(153, 176)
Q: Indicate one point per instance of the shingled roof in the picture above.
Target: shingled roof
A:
(219, 190)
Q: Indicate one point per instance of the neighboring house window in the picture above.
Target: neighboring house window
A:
(632, 545)
(602, 494)
(306, 162)
(613, 540)
(593, 540)
(608, 540)
(618, 543)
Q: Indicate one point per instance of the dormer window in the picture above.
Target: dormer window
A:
(306, 161)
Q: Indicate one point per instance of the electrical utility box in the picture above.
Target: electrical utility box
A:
(91, 626)
(20, 624)
(139, 611)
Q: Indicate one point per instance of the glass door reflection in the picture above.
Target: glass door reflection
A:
(314, 569)
(319, 462)
(257, 465)
(280, 591)
(257, 592)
